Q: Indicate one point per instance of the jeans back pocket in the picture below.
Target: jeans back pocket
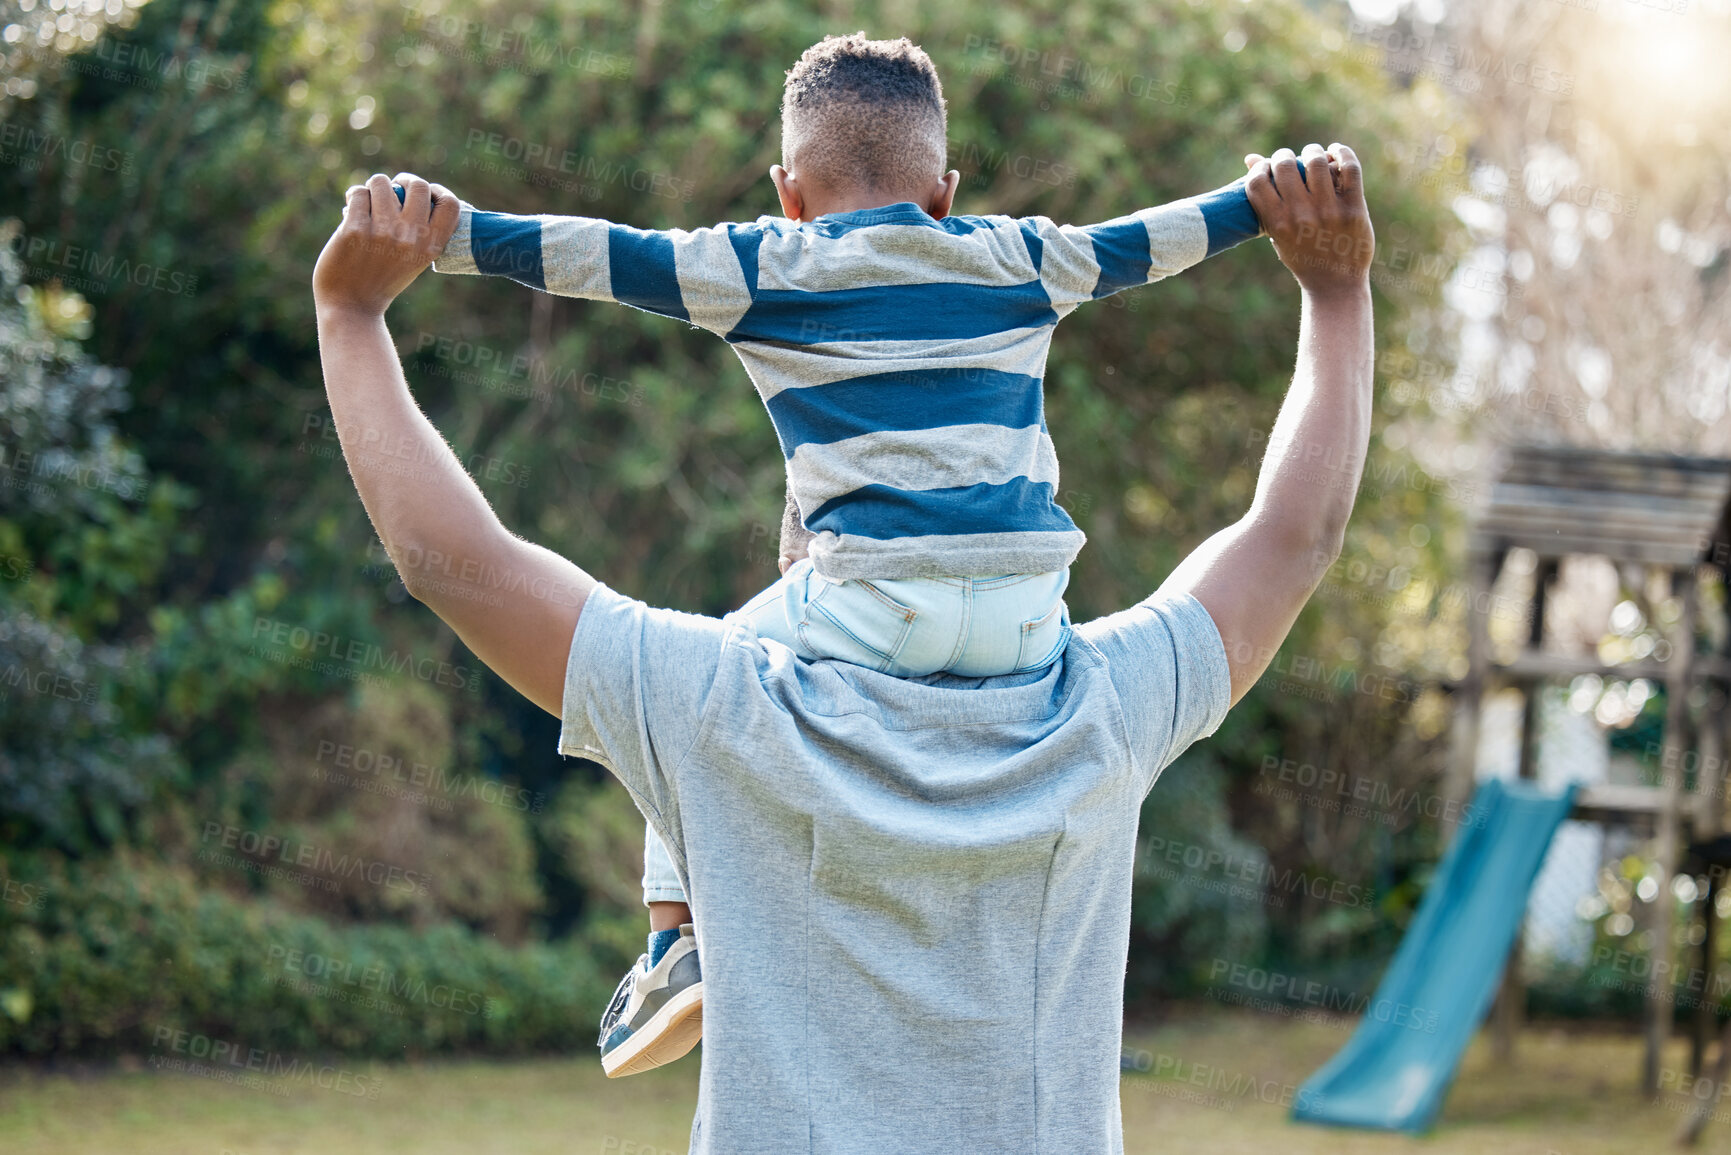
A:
(1043, 639)
(856, 621)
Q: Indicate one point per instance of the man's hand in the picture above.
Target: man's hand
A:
(381, 247)
(1320, 227)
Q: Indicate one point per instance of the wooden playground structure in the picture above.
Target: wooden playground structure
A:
(1664, 521)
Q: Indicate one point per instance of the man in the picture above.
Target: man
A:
(912, 895)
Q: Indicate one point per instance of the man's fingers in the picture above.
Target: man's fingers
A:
(1318, 177)
(384, 200)
(443, 196)
(1349, 176)
(418, 198)
(446, 212)
(1259, 188)
(1287, 181)
(357, 205)
(1252, 159)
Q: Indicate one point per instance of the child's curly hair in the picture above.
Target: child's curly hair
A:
(859, 113)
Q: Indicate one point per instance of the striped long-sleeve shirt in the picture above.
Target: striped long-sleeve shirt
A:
(900, 357)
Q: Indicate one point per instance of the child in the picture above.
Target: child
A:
(900, 352)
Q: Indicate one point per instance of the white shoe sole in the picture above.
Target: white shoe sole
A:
(669, 1035)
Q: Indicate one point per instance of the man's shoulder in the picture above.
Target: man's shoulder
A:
(1167, 663)
(1163, 627)
(661, 641)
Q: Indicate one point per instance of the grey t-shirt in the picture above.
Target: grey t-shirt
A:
(912, 896)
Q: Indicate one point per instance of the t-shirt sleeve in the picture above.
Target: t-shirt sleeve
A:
(1168, 666)
(705, 277)
(636, 685)
(1085, 262)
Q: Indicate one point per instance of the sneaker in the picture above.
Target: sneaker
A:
(656, 1015)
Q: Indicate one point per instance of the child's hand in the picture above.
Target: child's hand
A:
(1320, 228)
(381, 246)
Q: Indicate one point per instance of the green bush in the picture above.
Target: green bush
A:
(102, 960)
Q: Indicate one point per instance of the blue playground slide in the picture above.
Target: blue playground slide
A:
(1396, 1069)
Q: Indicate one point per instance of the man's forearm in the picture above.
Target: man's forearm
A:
(1254, 576)
(422, 502)
(1315, 458)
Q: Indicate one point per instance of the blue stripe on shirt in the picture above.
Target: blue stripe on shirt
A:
(964, 224)
(1229, 217)
(881, 511)
(833, 225)
(1036, 246)
(643, 271)
(930, 312)
(746, 241)
(916, 399)
(507, 246)
(1121, 250)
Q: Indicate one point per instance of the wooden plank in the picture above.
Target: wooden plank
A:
(1651, 522)
(1542, 664)
(1611, 798)
(1655, 527)
(1651, 513)
(1654, 522)
(1574, 464)
(1682, 497)
(1559, 545)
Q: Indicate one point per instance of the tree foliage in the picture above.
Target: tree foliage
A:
(631, 443)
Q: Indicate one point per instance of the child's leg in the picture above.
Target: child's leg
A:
(974, 626)
(664, 916)
(767, 612)
(656, 1013)
(662, 893)
(849, 621)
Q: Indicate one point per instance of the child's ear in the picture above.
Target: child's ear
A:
(944, 195)
(792, 202)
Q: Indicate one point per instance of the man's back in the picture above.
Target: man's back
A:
(914, 913)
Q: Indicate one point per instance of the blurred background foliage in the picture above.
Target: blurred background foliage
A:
(181, 594)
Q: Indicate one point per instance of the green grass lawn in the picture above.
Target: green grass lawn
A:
(1566, 1093)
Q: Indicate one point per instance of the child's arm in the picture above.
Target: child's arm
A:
(700, 277)
(1082, 263)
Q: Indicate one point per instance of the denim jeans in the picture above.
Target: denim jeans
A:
(975, 627)
(660, 880)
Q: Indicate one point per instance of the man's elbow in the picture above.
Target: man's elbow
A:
(1330, 537)
(1308, 547)
(412, 565)
(428, 572)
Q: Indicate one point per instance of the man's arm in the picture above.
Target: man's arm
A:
(1254, 576)
(697, 276)
(513, 603)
